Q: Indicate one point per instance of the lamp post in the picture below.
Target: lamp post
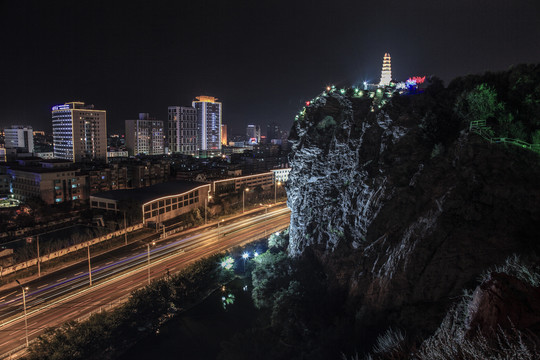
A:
(244, 199)
(24, 307)
(148, 246)
(275, 191)
(245, 256)
(89, 265)
(206, 208)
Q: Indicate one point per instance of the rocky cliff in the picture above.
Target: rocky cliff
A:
(402, 205)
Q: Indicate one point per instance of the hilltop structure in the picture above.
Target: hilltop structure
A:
(386, 73)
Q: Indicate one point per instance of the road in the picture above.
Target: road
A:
(67, 295)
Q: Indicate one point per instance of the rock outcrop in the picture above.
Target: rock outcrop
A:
(400, 222)
(504, 301)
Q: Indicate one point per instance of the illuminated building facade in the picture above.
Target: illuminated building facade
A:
(227, 186)
(223, 134)
(253, 134)
(208, 125)
(386, 73)
(19, 137)
(79, 132)
(158, 203)
(183, 130)
(144, 136)
(54, 181)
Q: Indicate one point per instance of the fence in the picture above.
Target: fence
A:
(22, 232)
(21, 350)
(56, 254)
(479, 127)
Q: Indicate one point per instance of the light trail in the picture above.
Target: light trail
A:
(113, 283)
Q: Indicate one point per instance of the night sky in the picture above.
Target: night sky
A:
(262, 59)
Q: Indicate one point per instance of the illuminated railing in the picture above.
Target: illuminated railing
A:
(479, 127)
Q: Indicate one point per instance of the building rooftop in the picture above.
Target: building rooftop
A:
(151, 192)
(42, 170)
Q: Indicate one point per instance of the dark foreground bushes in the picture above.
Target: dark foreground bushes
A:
(107, 334)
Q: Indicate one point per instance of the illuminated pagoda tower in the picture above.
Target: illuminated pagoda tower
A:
(386, 74)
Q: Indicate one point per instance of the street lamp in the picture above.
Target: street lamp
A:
(245, 256)
(148, 246)
(24, 289)
(275, 191)
(244, 199)
(206, 208)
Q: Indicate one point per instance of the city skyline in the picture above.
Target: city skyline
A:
(262, 62)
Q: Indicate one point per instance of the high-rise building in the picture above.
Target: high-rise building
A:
(183, 130)
(253, 134)
(386, 73)
(144, 136)
(208, 125)
(79, 132)
(223, 134)
(273, 131)
(19, 137)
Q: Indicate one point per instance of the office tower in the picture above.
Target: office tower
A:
(19, 137)
(144, 136)
(183, 130)
(386, 73)
(79, 132)
(253, 134)
(223, 134)
(208, 125)
(273, 131)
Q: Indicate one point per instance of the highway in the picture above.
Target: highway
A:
(67, 295)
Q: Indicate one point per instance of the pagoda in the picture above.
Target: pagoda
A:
(386, 74)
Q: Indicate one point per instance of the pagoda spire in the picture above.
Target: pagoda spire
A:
(386, 73)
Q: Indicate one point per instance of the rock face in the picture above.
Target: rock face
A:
(401, 224)
(504, 301)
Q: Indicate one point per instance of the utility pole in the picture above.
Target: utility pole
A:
(148, 245)
(125, 228)
(24, 307)
(38, 258)
(89, 265)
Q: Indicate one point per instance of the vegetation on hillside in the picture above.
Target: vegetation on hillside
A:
(106, 334)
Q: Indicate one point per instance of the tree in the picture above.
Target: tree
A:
(133, 210)
(480, 104)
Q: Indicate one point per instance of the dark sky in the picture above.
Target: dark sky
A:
(261, 58)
